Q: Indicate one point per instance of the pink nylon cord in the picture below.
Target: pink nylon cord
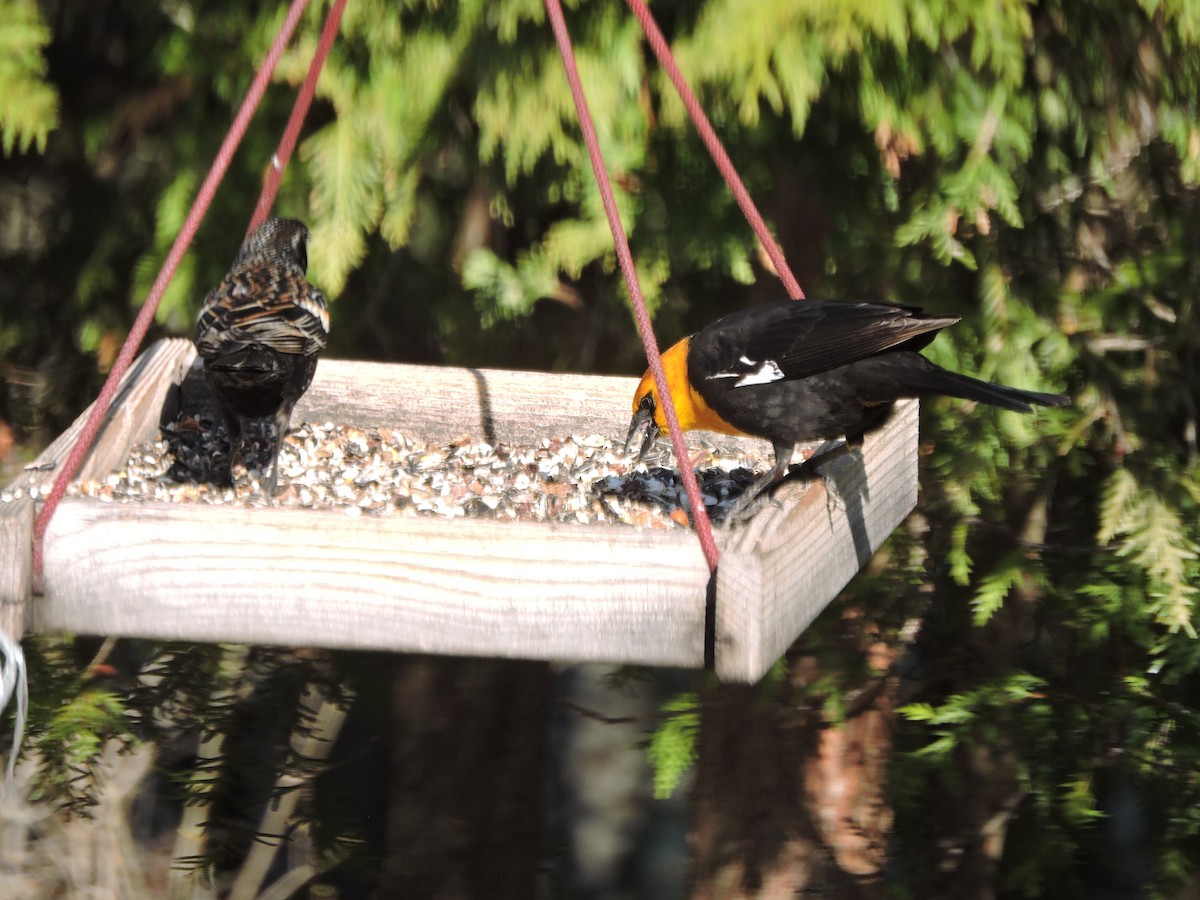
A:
(145, 316)
(625, 258)
(299, 110)
(704, 128)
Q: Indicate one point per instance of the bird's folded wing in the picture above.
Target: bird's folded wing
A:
(291, 318)
(808, 337)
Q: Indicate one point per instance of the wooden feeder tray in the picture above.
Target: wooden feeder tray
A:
(302, 577)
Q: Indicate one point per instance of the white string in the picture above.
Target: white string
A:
(14, 680)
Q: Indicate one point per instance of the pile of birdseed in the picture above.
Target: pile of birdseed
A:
(384, 472)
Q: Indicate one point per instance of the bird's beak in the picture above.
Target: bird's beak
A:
(643, 418)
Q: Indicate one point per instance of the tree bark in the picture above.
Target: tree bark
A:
(785, 804)
(467, 763)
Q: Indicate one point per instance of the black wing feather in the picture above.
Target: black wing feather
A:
(808, 337)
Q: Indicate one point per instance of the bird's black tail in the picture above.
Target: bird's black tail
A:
(936, 380)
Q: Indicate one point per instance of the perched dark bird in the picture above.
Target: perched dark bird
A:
(260, 332)
(806, 371)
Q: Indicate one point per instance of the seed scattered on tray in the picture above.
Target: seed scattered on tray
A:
(384, 472)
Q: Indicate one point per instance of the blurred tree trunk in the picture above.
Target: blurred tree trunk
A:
(785, 804)
(467, 769)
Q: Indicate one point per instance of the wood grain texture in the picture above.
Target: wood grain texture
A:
(780, 571)
(16, 564)
(306, 577)
(132, 418)
(441, 403)
(436, 403)
(468, 587)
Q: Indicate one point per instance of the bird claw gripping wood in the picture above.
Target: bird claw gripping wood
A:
(260, 332)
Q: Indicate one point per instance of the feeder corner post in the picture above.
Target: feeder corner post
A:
(16, 572)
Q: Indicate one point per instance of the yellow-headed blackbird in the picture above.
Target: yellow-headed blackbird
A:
(260, 331)
(805, 371)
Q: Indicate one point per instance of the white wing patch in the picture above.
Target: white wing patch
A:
(767, 372)
(753, 373)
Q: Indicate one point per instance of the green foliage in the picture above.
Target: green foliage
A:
(672, 749)
(72, 744)
(961, 712)
(993, 588)
(82, 725)
(28, 104)
(71, 722)
(1153, 537)
(1032, 168)
(234, 710)
(508, 289)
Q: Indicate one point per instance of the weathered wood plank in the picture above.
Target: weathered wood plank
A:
(16, 564)
(473, 587)
(779, 572)
(436, 403)
(442, 403)
(132, 418)
(133, 415)
(308, 577)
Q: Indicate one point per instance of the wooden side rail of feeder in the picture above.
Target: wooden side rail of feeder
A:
(467, 586)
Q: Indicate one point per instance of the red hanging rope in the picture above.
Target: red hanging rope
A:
(299, 110)
(625, 257)
(704, 128)
(141, 324)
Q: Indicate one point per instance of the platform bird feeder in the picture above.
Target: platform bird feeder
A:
(477, 587)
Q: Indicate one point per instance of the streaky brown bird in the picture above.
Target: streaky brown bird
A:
(260, 332)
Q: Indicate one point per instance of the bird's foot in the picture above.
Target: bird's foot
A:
(825, 454)
(745, 508)
(834, 501)
(757, 496)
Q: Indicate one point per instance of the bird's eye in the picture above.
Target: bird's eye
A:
(301, 245)
(647, 403)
